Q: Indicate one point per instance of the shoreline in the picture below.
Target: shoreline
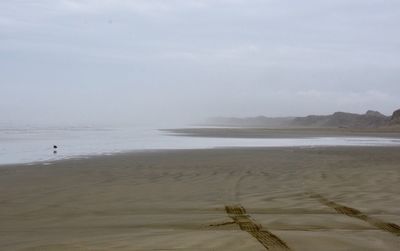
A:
(38, 148)
(260, 132)
(182, 150)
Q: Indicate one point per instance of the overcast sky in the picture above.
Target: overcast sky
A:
(120, 62)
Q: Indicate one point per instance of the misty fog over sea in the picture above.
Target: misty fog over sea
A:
(31, 144)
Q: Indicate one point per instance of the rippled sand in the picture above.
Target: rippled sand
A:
(333, 198)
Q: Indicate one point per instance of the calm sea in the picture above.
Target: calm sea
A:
(31, 144)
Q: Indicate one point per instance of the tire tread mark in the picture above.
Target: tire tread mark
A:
(352, 212)
(247, 224)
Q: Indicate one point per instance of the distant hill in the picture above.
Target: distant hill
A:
(343, 119)
(395, 119)
(370, 119)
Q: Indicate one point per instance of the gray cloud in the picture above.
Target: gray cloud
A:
(155, 60)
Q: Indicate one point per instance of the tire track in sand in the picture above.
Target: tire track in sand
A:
(352, 212)
(247, 224)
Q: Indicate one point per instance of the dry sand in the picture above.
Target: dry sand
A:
(334, 198)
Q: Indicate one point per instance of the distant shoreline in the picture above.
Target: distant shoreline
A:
(260, 132)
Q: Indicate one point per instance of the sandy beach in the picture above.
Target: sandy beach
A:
(333, 198)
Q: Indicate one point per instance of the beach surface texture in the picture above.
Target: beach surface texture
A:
(317, 198)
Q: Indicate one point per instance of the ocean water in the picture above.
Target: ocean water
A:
(26, 145)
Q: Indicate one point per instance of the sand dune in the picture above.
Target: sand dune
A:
(237, 199)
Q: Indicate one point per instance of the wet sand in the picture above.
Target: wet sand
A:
(238, 132)
(333, 198)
